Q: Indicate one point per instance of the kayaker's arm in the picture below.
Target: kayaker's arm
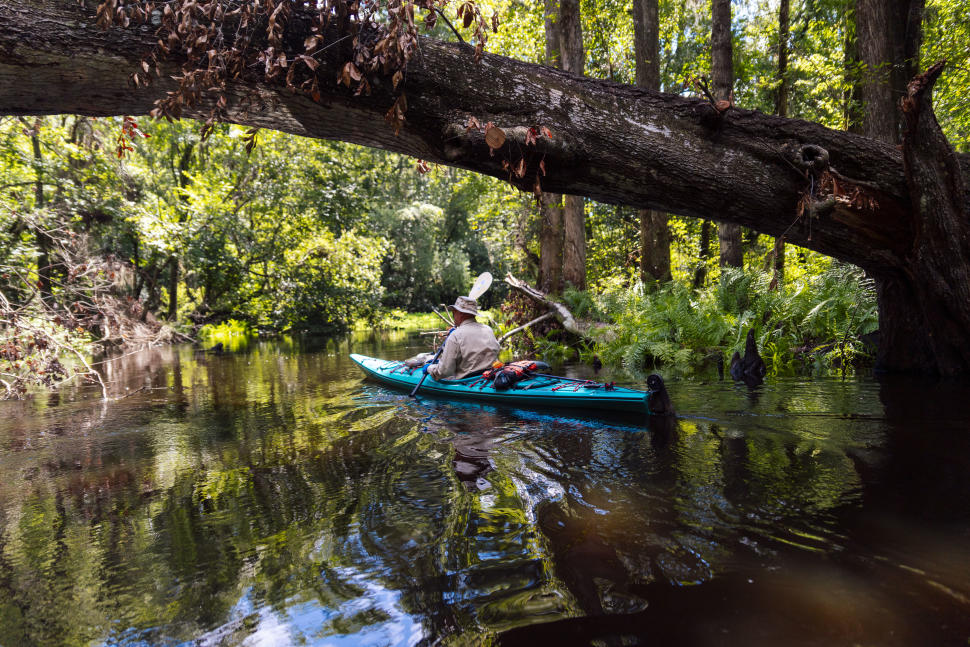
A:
(448, 362)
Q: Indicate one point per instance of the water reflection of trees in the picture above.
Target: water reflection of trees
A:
(246, 490)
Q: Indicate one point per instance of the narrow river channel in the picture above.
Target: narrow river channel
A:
(272, 496)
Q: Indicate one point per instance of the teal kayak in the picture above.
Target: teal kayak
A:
(538, 391)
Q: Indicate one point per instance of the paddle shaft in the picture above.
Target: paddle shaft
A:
(433, 360)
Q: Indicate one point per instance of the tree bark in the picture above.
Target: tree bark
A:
(610, 142)
(781, 109)
(40, 236)
(550, 242)
(574, 209)
(173, 287)
(722, 75)
(703, 253)
(784, 34)
(550, 204)
(934, 286)
(654, 246)
(574, 241)
(889, 35)
(559, 310)
(182, 179)
(654, 231)
(872, 27)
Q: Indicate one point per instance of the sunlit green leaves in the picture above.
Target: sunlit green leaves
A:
(946, 35)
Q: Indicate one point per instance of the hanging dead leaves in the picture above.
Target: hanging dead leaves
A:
(289, 43)
(129, 132)
(395, 116)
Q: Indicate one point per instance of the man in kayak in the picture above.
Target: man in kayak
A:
(470, 347)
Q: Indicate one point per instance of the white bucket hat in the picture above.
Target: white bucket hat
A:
(466, 305)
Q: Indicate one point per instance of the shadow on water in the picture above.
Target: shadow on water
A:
(270, 495)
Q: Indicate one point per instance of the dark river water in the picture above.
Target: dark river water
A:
(272, 496)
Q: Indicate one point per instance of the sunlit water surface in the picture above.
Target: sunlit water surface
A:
(272, 496)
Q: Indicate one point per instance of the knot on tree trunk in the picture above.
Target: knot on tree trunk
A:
(812, 158)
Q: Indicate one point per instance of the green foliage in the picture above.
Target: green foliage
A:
(397, 319)
(233, 334)
(816, 323)
(298, 234)
(422, 268)
(580, 303)
(332, 281)
(946, 35)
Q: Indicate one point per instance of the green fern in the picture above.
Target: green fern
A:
(815, 323)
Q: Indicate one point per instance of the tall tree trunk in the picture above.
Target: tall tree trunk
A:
(612, 143)
(889, 40)
(852, 101)
(935, 281)
(550, 243)
(872, 27)
(173, 287)
(722, 74)
(889, 35)
(703, 254)
(574, 211)
(654, 231)
(784, 35)
(550, 204)
(41, 237)
(182, 179)
(781, 109)
(574, 241)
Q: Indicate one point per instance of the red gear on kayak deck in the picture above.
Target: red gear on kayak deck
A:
(509, 374)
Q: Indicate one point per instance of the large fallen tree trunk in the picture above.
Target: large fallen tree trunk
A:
(841, 194)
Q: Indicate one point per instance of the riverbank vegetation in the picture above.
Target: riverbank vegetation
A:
(814, 324)
(117, 233)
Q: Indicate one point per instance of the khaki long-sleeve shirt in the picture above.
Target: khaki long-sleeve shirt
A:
(471, 347)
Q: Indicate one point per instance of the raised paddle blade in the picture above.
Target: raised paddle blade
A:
(481, 284)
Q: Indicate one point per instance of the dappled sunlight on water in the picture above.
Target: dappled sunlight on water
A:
(272, 496)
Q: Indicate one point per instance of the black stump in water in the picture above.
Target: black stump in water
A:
(659, 403)
(749, 369)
